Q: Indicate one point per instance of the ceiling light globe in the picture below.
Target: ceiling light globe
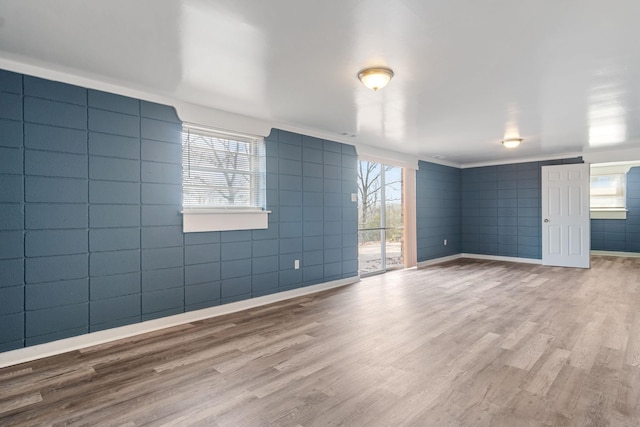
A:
(375, 78)
(511, 142)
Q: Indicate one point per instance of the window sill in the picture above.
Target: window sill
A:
(608, 214)
(202, 220)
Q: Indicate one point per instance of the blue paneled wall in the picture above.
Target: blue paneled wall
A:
(618, 234)
(501, 209)
(492, 210)
(438, 210)
(90, 230)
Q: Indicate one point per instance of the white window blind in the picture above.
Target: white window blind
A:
(608, 191)
(222, 171)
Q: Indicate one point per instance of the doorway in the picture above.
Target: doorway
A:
(380, 217)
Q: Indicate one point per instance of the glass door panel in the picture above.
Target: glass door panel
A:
(370, 251)
(394, 255)
(370, 189)
(394, 221)
(380, 217)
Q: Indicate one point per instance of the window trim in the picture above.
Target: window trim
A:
(621, 178)
(610, 213)
(609, 169)
(225, 218)
(194, 221)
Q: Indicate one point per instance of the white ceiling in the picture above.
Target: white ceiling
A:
(562, 74)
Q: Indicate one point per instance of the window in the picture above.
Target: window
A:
(608, 195)
(223, 181)
(608, 191)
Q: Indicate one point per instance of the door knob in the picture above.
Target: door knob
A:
(546, 220)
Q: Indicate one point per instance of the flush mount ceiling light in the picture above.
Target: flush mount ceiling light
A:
(511, 142)
(375, 78)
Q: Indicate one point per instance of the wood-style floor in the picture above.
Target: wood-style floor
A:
(468, 343)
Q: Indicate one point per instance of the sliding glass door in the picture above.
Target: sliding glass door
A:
(380, 217)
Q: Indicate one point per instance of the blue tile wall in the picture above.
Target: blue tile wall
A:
(437, 210)
(90, 230)
(618, 234)
(493, 210)
(501, 208)
(56, 210)
(12, 208)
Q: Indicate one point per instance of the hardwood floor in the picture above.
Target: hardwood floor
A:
(467, 343)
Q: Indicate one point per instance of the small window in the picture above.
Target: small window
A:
(223, 181)
(222, 171)
(608, 191)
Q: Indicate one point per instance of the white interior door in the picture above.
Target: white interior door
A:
(566, 226)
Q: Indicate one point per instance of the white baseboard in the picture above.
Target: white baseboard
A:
(616, 253)
(435, 261)
(503, 258)
(516, 259)
(478, 256)
(27, 354)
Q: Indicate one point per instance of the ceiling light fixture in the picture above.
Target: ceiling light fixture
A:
(511, 142)
(375, 78)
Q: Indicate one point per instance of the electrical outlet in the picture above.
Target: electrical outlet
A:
(445, 242)
(296, 264)
(354, 197)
